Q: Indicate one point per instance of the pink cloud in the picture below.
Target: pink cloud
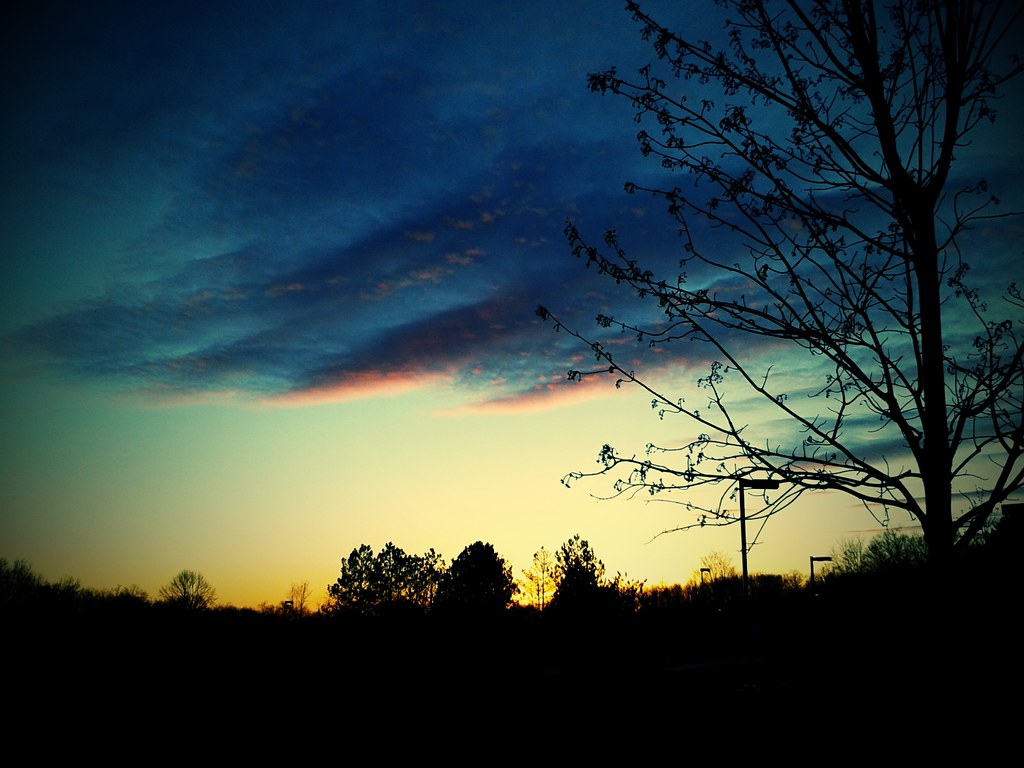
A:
(360, 385)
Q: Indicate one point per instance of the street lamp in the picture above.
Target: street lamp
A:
(760, 485)
(814, 560)
(702, 572)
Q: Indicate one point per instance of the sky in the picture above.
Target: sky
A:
(269, 286)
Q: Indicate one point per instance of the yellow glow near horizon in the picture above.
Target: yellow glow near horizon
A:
(259, 498)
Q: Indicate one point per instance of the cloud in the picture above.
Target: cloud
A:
(334, 208)
(360, 385)
(342, 213)
(551, 393)
(306, 333)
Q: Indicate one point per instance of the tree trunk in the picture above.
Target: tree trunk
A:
(936, 461)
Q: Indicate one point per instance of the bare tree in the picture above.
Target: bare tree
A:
(719, 566)
(299, 596)
(540, 580)
(189, 590)
(847, 557)
(821, 136)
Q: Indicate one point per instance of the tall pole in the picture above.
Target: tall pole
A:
(743, 537)
(824, 559)
(763, 485)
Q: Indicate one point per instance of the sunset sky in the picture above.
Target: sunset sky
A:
(270, 273)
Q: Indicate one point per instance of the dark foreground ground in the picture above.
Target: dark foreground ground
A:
(938, 669)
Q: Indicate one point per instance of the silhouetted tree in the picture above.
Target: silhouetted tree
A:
(121, 599)
(299, 596)
(20, 586)
(719, 566)
(355, 589)
(540, 579)
(626, 595)
(822, 137)
(369, 583)
(478, 582)
(717, 580)
(429, 570)
(579, 575)
(398, 576)
(888, 552)
(669, 597)
(847, 558)
(295, 603)
(1009, 530)
(1003, 542)
(774, 584)
(189, 590)
(892, 551)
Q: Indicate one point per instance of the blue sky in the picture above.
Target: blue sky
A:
(269, 287)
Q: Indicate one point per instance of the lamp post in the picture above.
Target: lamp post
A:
(704, 571)
(814, 560)
(763, 485)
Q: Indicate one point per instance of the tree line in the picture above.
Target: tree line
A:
(569, 581)
(394, 621)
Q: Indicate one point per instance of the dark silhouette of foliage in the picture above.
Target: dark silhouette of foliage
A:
(20, 586)
(356, 587)
(579, 575)
(478, 582)
(889, 552)
(668, 597)
(775, 584)
(25, 593)
(1007, 535)
(121, 602)
(847, 558)
(782, 640)
(189, 591)
(540, 579)
(822, 136)
(626, 594)
(388, 581)
(895, 551)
